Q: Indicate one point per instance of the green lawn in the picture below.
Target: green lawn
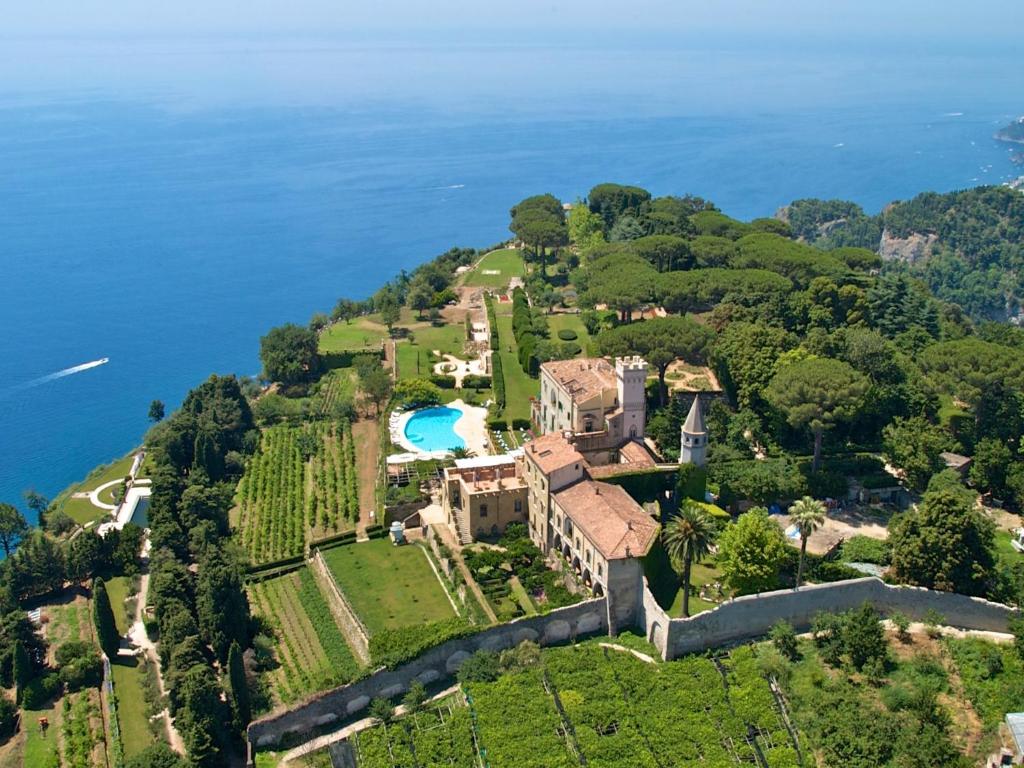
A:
(558, 322)
(82, 511)
(361, 333)
(519, 387)
(521, 596)
(131, 705)
(117, 591)
(447, 339)
(41, 750)
(700, 574)
(506, 263)
(388, 586)
(1005, 550)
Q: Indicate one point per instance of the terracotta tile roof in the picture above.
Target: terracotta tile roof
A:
(551, 452)
(583, 378)
(609, 517)
(637, 455)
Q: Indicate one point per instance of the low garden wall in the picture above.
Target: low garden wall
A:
(753, 615)
(438, 664)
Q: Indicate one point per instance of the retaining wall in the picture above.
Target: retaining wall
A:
(558, 626)
(753, 615)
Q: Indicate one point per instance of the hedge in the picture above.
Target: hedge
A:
(376, 531)
(568, 334)
(394, 647)
(252, 569)
(572, 349)
(338, 538)
(273, 573)
(444, 381)
(521, 424)
(472, 381)
(344, 359)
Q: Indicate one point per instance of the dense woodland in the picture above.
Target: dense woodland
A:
(974, 242)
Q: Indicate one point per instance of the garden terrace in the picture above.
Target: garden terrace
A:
(439, 736)
(496, 269)
(309, 651)
(389, 586)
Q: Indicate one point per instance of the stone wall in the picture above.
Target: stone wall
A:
(559, 626)
(753, 615)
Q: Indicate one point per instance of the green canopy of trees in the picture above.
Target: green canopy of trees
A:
(751, 552)
(289, 354)
(945, 544)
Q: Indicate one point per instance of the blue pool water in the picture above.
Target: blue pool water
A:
(433, 429)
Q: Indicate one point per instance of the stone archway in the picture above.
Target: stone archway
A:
(656, 635)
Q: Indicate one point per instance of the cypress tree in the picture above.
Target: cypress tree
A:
(103, 618)
(239, 688)
(22, 670)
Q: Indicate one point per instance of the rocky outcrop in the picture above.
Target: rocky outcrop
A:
(911, 249)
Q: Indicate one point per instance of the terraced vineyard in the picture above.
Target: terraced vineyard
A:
(334, 492)
(301, 483)
(588, 705)
(310, 650)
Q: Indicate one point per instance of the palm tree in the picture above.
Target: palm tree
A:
(807, 515)
(688, 539)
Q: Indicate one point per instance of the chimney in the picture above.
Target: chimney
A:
(629, 525)
(597, 490)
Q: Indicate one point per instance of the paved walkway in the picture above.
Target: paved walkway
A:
(360, 725)
(139, 638)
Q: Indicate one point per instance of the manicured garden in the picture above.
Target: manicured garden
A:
(496, 269)
(519, 387)
(388, 586)
(361, 333)
(310, 653)
(569, 328)
(82, 510)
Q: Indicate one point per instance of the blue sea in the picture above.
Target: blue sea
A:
(165, 202)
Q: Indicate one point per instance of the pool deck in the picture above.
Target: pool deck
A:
(471, 426)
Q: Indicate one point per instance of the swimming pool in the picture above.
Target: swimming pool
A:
(433, 429)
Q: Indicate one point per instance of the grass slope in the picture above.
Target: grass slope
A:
(506, 264)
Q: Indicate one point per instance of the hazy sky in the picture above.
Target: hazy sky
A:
(885, 19)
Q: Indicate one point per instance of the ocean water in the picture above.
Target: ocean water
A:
(165, 202)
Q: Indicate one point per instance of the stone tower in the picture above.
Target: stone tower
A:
(694, 445)
(631, 380)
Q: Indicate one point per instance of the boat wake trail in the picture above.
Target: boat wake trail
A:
(60, 374)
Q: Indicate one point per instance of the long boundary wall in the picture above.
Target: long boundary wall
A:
(753, 615)
(559, 626)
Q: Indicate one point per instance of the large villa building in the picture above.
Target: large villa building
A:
(592, 420)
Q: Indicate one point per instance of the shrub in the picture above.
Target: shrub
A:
(473, 381)
(864, 549)
(783, 637)
(568, 334)
(73, 650)
(481, 667)
(85, 672)
(443, 381)
(571, 349)
(521, 424)
(39, 692)
(8, 717)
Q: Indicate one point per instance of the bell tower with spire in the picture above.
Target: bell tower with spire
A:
(694, 443)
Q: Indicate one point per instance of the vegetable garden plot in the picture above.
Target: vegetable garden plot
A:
(302, 478)
(310, 650)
